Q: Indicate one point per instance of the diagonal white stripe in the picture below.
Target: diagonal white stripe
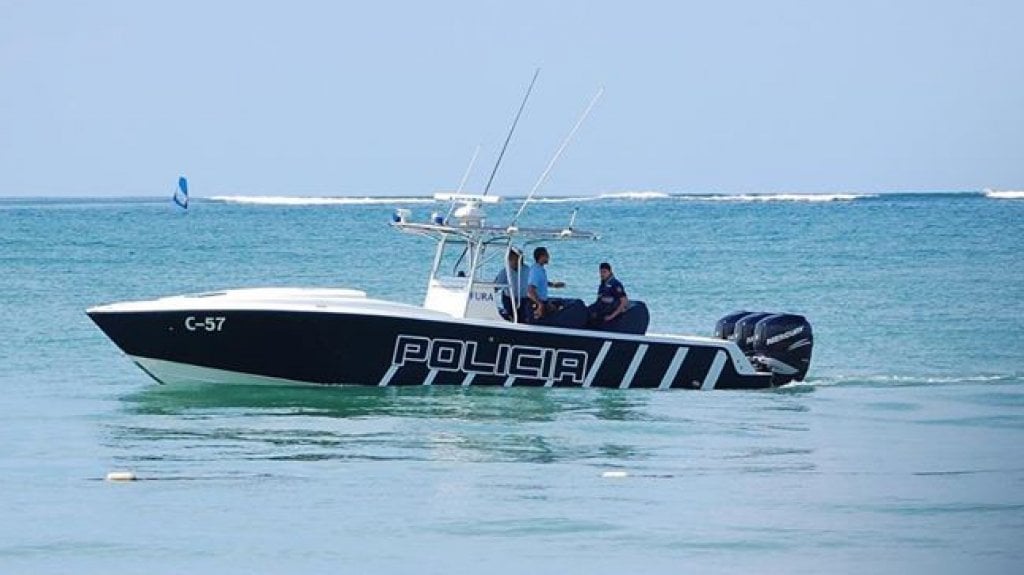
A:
(716, 369)
(384, 381)
(508, 382)
(597, 364)
(469, 379)
(673, 368)
(430, 377)
(634, 365)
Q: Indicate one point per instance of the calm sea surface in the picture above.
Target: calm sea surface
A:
(904, 452)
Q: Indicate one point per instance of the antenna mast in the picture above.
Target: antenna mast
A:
(469, 169)
(558, 154)
(501, 155)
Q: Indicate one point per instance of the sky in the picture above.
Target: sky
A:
(381, 98)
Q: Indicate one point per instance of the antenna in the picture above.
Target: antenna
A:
(567, 231)
(469, 169)
(462, 184)
(501, 155)
(558, 154)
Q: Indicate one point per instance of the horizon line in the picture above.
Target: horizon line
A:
(554, 195)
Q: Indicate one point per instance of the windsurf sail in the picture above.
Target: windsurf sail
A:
(181, 194)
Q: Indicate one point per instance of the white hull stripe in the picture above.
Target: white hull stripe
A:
(469, 379)
(430, 377)
(715, 371)
(673, 368)
(184, 373)
(509, 380)
(634, 365)
(597, 364)
(384, 381)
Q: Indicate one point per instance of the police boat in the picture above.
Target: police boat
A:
(459, 336)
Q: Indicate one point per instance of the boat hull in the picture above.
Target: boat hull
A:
(256, 346)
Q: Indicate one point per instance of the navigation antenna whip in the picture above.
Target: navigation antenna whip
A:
(469, 169)
(554, 159)
(487, 188)
(462, 184)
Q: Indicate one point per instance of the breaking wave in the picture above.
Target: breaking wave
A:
(777, 197)
(610, 196)
(1005, 194)
(614, 196)
(318, 201)
(646, 196)
(907, 380)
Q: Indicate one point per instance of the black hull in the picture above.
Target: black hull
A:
(355, 349)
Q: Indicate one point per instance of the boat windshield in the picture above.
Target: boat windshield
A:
(454, 260)
(457, 259)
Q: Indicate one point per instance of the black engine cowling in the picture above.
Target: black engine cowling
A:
(783, 343)
(725, 326)
(743, 333)
(776, 343)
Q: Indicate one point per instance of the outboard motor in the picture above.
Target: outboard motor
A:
(782, 344)
(776, 343)
(725, 326)
(743, 331)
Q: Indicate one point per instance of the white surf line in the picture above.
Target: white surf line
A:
(468, 380)
(634, 365)
(673, 368)
(597, 364)
(384, 381)
(430, 377)
(716, 369)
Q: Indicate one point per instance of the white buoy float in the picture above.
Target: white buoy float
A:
(121, 476)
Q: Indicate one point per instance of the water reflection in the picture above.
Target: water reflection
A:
(472, 404)
(599, 427)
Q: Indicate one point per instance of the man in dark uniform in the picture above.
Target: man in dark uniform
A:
(611, 298)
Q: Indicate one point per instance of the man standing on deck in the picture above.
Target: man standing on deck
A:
(514, 293)
(538, 285)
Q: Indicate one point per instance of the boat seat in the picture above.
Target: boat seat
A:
(572, 313)
(634, 320)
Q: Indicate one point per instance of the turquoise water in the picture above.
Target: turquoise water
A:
(904, 452)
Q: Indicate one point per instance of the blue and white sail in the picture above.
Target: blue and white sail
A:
(181, 194)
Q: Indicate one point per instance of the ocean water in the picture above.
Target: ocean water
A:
(902, 453)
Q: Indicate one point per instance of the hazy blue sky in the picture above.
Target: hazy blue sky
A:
(316, 98)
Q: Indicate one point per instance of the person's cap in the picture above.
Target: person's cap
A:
(605, 266)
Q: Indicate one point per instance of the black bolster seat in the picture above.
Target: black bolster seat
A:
(634, 320)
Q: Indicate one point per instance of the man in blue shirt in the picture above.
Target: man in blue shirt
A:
(611, 302)
(538, 285)
(514, 292)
